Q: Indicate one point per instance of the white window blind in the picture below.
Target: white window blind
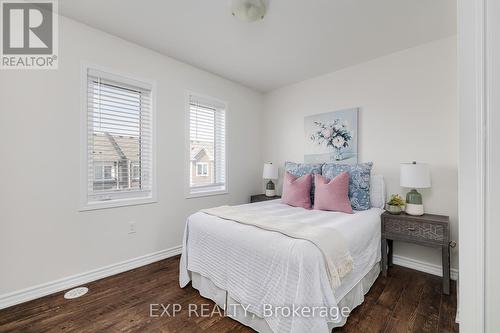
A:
(119, 139)
(207, 144)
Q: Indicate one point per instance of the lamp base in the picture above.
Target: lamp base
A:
(270, 190)
(414, 209)
(270, 193)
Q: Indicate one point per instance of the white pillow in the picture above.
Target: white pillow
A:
(377, 191)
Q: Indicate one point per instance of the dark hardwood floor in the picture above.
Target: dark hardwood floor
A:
(405, 301)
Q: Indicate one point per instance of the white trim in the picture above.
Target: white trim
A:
(205, 194)
(472, 169)
(423, 266)
(48, 288)
(117, 203)
(187, 145)
(84, 205)
(120, 78)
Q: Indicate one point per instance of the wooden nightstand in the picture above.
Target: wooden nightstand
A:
(428, 229)
(263, 197)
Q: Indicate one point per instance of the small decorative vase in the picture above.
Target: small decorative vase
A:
(396, 210)
(338, 154)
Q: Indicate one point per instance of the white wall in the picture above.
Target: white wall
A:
(408, 104)
(472, 163)
(492, 227)
(43, 236)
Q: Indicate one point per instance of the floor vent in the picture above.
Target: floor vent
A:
(76, 292)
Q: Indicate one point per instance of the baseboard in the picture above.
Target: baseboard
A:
(423, 266)
(45, 289)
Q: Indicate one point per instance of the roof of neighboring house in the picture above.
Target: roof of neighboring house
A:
(109, 147)
(200, 147)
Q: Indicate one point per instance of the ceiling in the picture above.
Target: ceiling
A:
(298, 39)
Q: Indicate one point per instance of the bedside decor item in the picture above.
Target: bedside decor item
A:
(332, 136)
(270, 172)
(427, 230)
(395, 205)
(414, 175)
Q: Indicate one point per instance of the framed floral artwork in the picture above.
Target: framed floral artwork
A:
(332, 137)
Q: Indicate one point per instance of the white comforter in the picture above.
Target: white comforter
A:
(260, 268)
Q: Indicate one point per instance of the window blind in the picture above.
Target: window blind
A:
(207, 144)
(119, 138)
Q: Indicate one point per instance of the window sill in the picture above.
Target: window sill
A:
(115, 203)
(205, 194)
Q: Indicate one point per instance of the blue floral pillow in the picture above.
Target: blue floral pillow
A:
(359, 181)
(300, 169)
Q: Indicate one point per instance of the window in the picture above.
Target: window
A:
(136, 171)
(118, 141)
(104, 172)
(207, 146)
(202, 169)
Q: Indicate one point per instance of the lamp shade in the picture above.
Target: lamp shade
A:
(270, 171)
(415, 175)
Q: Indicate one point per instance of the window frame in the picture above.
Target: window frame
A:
(204, 169)
(135, 175)
(103, 167)
(187, 169)
(126, 79)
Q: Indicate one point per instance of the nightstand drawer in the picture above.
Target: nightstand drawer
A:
(417, 230)
(262, 197)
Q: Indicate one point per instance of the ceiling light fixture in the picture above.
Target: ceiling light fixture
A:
(248, 10)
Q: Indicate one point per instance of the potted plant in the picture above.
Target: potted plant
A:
(395, 205)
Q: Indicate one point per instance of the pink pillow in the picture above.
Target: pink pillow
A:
(297, 190)
(332, 195)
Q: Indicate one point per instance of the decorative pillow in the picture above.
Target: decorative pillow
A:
(359, 181)
(300, 169)
(296, 190)
(377, 191)
(332, 194)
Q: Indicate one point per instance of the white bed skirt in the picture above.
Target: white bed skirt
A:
(209, 290)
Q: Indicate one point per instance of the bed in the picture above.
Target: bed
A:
(261, 277)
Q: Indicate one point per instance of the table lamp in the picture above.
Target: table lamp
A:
(414, 175)
(270, 172)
